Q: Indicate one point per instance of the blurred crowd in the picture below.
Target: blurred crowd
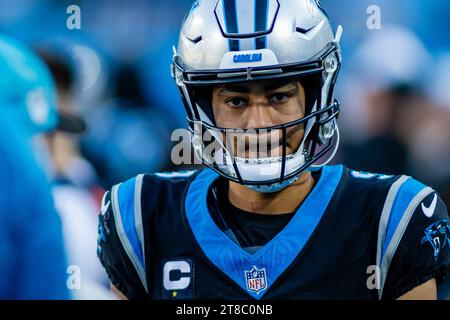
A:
(113, 78)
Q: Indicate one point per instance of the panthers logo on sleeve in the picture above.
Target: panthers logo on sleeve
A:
(437, 235)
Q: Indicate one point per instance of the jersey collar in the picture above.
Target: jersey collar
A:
(256, 273)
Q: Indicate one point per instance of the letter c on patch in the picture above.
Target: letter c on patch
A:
(182, 267)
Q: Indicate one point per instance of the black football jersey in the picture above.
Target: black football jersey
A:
(357, 235)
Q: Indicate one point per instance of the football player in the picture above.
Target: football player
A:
(268, 218)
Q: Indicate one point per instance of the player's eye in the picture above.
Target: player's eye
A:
(279, 98)
(236, 102)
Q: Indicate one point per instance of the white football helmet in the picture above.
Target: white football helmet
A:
(236, 41)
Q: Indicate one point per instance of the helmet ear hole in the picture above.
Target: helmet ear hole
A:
(327, 131)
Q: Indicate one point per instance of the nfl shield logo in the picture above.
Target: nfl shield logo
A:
(256, 279)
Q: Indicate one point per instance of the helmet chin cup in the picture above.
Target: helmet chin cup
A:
(275, 187)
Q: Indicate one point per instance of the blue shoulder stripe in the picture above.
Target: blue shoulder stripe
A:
(126, 202)
(406, 193)
(403, 198)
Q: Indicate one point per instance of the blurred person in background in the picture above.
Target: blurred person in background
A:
(397, 103)
(438, 91)
(74, 185)
(32, 257)
(49, 120)
(386, 85)
(125, 131)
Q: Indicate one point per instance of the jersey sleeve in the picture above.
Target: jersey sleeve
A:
(417, 249)
(120, 239)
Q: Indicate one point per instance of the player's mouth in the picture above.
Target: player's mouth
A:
(263, 144)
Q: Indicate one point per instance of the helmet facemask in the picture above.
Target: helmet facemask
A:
(264, 158)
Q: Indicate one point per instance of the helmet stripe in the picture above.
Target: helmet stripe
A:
(231, 25)
(261, 12)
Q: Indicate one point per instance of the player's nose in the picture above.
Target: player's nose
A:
(259, 115)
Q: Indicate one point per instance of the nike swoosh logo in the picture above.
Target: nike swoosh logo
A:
(430, 210)
(105, 208)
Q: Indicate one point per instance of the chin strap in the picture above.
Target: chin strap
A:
(274, 187)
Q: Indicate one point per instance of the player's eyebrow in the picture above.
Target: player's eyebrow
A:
(280, 84)
(268, 87)
(234, 89)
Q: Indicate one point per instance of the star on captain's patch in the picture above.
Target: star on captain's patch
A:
(174, 294)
